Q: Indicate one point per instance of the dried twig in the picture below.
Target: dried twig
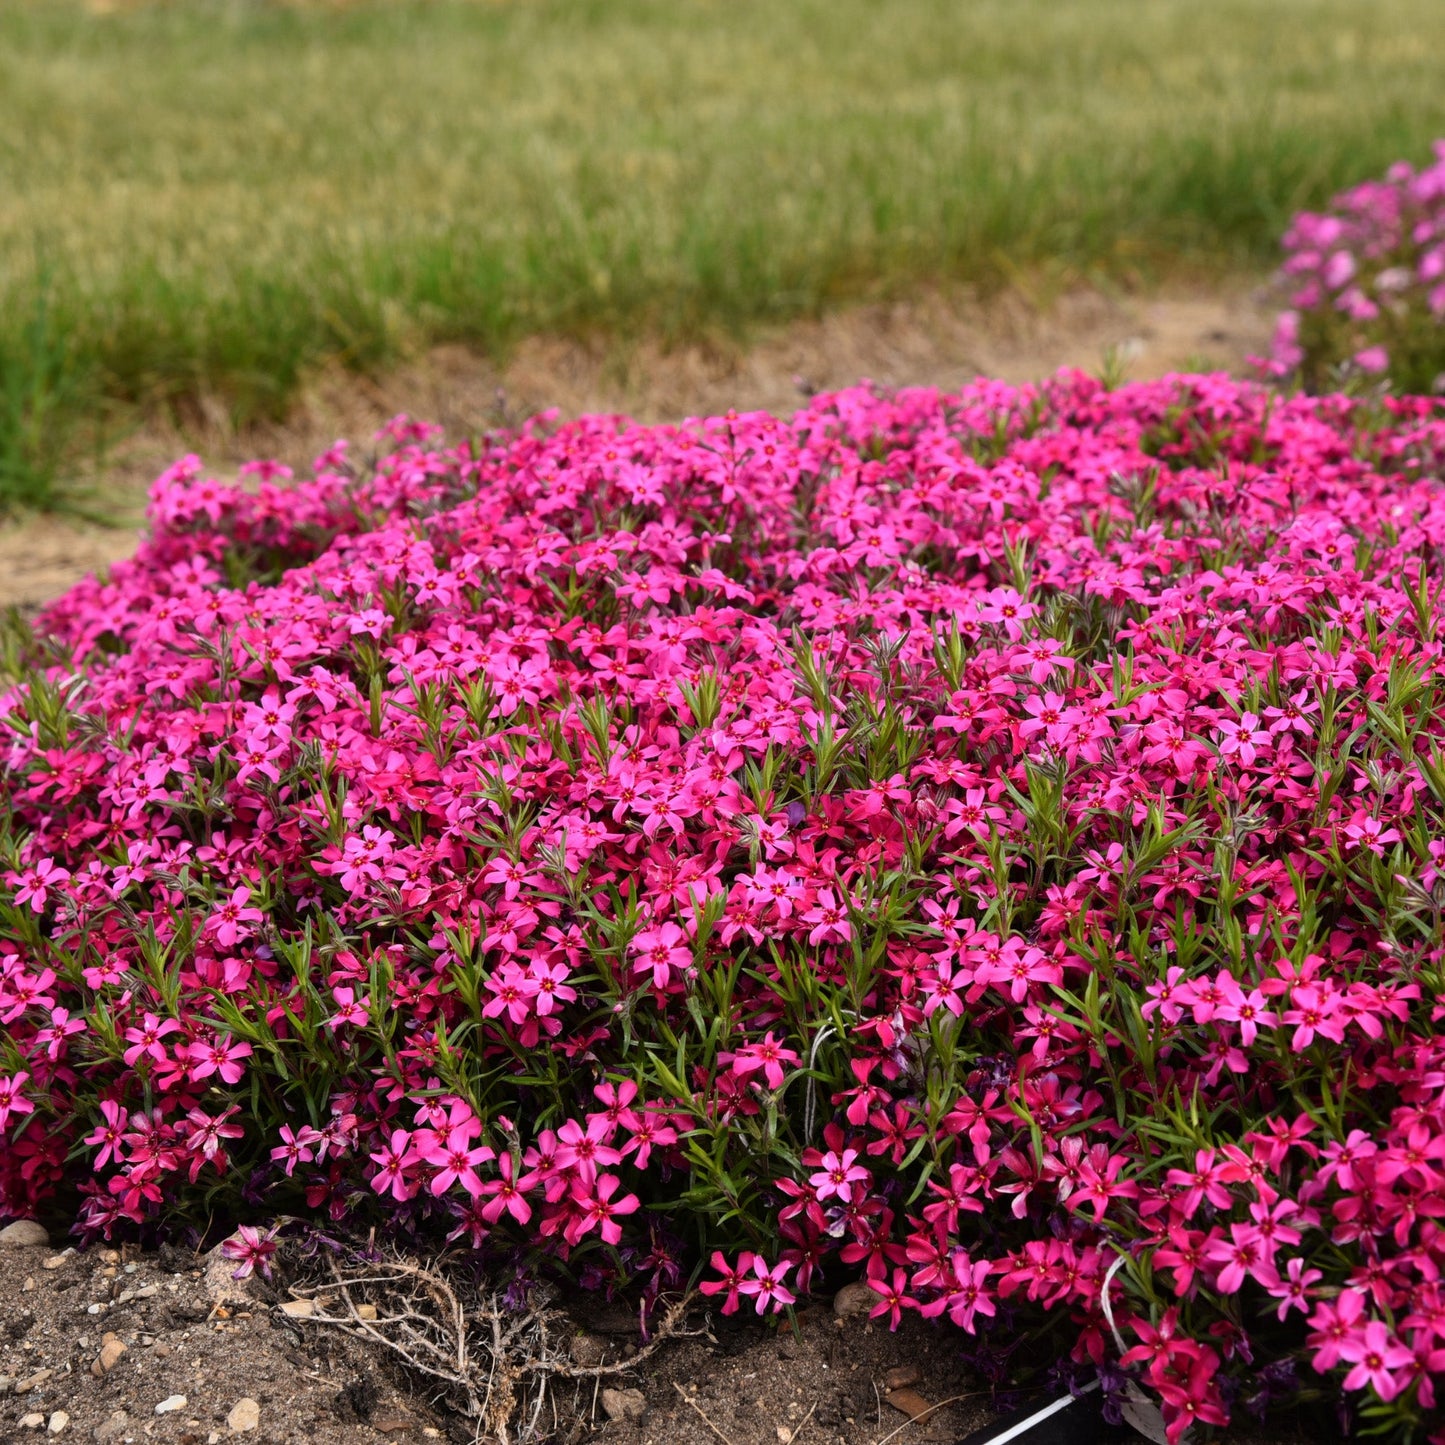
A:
(793, 1438)
(493, 1363)
(701, 1412)
(924, 1414)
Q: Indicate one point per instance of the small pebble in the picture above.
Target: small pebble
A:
(32, 1382)
(108, 1358)
(24, 1234)
(366, 1312)
(624, 1404)
(854, 1299)
(32, 1421)
(112, 1427)
(170, 1404)
(245, 1415)
(910, 1403)
(58, 1421)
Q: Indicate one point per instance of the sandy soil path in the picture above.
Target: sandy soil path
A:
(927, 342)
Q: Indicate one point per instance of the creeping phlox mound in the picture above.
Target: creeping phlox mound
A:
(1367, 283)
(989, 844)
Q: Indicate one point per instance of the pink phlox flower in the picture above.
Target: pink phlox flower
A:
(1053, 717)
(253, 1249)
(1316, 1011)
(270, 719)
(1243, 740)
(220, 1055)
(616, 1100)
(1194, 1399)
(507, 1194)
(352, 1009)
(829, 920)
(965, 1293)
(53, 1036)
(455, 1160)
(511, 875)
(512, 994)
(735, 1278)
(660, 950)
(146, 1039)
(107, 1135)
(650, 1132)
(393, 1160)
(296, 1146)
(767, 1286)
(893, 1296)
(1243, 1255)
(768, 1055)
(1205, 1181)
(1292, 1289)
(1369, 832)
(837, 1174)
(33, 886)
(1377, 1357)
(232, 919)
(549, 986)
(595, 1208)
(585, 1150)
(210, 1132)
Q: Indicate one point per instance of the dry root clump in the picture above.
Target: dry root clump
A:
(498, 1362)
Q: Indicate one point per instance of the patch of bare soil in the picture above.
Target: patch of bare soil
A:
(118, 1346)
(935, 341)
(123, 1346)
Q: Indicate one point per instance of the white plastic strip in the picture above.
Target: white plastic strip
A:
(1052, 1408)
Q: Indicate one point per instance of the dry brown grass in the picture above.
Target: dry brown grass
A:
(936, 341)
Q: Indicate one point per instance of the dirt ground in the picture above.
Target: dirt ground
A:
(186, 1365)
(123, 1346)
(191, 1362)
(935, 341)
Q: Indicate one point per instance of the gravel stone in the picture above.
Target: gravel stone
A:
(624, 1404)
(24, 1234)
(245, 1415)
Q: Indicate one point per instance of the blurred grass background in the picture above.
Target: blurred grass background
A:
(203, 200)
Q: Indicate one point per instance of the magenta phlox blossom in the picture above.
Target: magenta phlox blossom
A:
(252, 1249)
(733, 1281)
(767, 1286)
(768, 1056)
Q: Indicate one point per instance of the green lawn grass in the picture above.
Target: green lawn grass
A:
(220, 195)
